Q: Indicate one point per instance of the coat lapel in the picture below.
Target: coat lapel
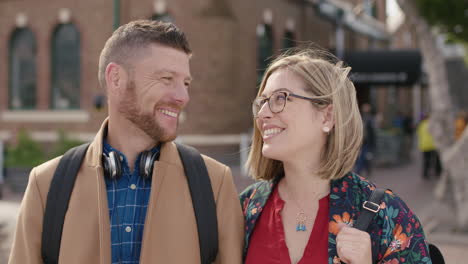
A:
(161, 169)
(94, 161)
(253, 207)
(170, 221)
(345, 204)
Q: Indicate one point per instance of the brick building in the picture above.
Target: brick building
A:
(49, 52)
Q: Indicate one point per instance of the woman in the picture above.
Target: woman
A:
(307, 135)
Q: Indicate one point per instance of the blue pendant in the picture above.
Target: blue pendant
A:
(301, 219)
(301, 227)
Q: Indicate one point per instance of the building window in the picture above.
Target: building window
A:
(65, 92)
(288, 40)
(162, 17)
(22, 81)
(374, 10)
(264, 49)
(160, 11)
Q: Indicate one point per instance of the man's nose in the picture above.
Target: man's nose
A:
(181, 94)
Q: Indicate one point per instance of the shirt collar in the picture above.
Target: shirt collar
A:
(107, 148)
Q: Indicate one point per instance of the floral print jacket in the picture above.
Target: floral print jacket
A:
(396, 233)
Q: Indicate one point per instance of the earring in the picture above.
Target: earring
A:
(326, 129)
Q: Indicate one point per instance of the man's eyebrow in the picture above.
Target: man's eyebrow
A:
(159, 72)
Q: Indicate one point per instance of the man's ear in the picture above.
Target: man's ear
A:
(328, 120)
(115, 77)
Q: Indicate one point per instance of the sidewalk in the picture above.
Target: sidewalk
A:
(435, 216)
(8, 215)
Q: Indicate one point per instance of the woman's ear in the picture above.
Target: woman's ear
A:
(328, 121)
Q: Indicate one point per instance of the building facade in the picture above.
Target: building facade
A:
(49, 52)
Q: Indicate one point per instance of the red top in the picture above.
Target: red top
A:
(268, 244)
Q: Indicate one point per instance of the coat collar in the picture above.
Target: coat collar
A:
(169, 153)
(254, 199)
(169, 163)
(261, 191)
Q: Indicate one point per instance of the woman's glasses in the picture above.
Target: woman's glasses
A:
(277, 101)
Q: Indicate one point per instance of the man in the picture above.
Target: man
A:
(128, 218)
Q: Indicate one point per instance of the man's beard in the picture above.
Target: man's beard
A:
(130, 109)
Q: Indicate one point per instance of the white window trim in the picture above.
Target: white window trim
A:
(45, 116)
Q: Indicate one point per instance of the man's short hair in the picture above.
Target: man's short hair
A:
(131, 38)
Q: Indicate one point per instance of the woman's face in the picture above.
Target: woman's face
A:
(296, 131)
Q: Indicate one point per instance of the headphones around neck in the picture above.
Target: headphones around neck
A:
(113, 167)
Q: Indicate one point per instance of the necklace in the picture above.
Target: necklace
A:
(301, 217)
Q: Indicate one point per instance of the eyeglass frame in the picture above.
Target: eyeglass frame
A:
(288, 93)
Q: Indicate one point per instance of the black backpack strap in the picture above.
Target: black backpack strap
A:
(203, 201)
(436, 255)
(369, 209)
(58, 198)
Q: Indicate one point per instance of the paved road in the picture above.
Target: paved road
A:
(8, 213)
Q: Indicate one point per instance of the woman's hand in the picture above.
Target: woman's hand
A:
(353, 246)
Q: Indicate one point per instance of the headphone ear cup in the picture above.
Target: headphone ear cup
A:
(143, 170)
(112, 166)
(105, 165)
(118, 165)
(147, 163)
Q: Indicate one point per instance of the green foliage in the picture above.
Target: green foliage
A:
(63, 144)
(466, 53)
(26, 154)
(449, 15)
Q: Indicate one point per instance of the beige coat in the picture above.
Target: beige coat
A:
(170, 233)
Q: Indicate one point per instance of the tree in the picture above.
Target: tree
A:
(449, 15)
(444, 14)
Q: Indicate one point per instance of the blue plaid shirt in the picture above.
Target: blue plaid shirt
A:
(128, 199)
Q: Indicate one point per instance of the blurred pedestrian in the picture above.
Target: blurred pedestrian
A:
(407, 137)
(2, 168)
(367, 153)
(428, 149)
(460, 123)
(131, 201)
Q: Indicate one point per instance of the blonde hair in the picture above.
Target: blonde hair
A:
(328, 81)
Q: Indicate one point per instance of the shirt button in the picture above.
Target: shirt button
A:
(133, 186)
(128, 229)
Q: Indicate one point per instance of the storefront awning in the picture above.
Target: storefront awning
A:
(384, 67)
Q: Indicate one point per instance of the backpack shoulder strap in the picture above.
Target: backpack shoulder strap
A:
(436, 255)
(58, 198)
(372, 207)
(369, 209)
(203, 201)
